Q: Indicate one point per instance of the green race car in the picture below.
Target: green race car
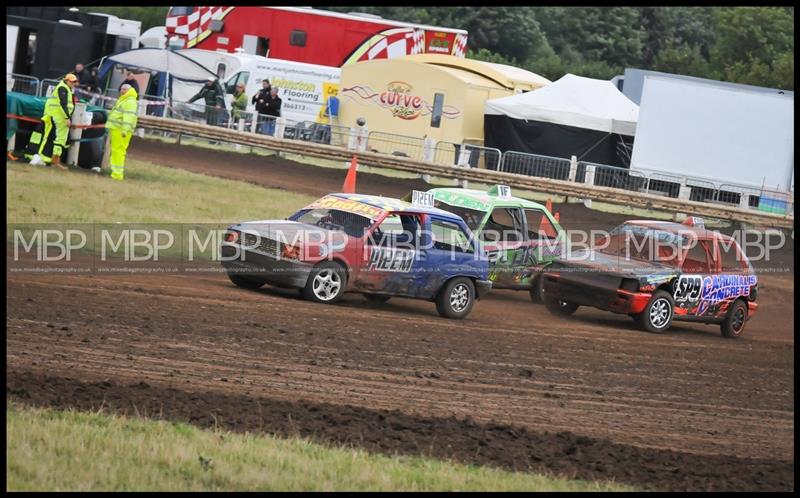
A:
(521, 237)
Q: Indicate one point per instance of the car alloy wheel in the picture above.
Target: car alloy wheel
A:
(456, 298)
(459, 298)
(326, 284)
(657, 315)
(660, 313)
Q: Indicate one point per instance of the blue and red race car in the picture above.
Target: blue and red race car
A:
(658, 272)
(377, 246)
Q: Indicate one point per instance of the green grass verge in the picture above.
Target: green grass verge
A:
(149, 194)
(77, 451)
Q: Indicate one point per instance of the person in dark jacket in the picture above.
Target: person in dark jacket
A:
(130, 80)
(273, 109)
(83, 76)
(214, 98)
(260, 101)
(93, 85)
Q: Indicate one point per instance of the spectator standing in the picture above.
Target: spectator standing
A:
(129, 80)
(239, 104)
(83, 76)
(93, 85)
(260, 101)
(121, 125)
(214, 99)
(273, 109)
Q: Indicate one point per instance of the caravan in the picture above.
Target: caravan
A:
(303, 88)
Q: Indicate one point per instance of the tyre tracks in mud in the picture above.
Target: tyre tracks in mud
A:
(509, 363)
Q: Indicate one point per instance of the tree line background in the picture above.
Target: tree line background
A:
(751, 45)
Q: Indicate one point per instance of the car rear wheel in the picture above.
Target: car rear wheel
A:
(244, 282)
(376, 298)
(733, 326)
(537, 289)
(456, 298)
(657, 315)
(325, 283)
(559, 307)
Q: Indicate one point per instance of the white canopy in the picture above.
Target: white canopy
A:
(166, 61)
(572, 101)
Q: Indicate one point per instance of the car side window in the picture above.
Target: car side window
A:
(396, 229)
(447, 236)
(696, 260)
(504, 224)
(539, 225)
(731, 258)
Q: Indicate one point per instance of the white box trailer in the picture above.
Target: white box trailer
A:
(303, 88)
(724, 132)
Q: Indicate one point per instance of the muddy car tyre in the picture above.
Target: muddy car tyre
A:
(326, 283)
(658, 314)
(376, 298)
(559, 307)
(537, 290)
(733, 325)
(456, 298)
(244, 282)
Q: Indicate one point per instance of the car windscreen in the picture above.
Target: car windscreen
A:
(644, 244)
(472, 217)
(334, 219)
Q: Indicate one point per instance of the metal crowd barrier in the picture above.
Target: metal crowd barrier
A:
(614, 177)
(396, 145)
(24, 84)
(484, 157)
(446, 153)
(535, 165)
(45, 87)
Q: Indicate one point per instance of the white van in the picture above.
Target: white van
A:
(303, 88)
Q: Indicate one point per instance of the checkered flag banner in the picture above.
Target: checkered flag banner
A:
(395, 42)
(193, 25)
(418, 45)
(460, 45)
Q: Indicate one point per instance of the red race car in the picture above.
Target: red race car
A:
(658, 272)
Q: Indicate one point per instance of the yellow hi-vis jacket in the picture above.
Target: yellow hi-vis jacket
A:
(53, 105)
(124, 115)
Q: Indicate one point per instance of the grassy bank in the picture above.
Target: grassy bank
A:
(75, 451)
(154, 194)
(177, 201)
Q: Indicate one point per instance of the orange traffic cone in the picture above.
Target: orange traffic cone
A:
(549, 205)
(349, 186)
(546, 228)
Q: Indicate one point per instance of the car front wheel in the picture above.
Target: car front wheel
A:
(657, 315)
(456, 298)
(326, 283)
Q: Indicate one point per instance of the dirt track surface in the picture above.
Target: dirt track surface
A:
(512, 386)
(591, 397)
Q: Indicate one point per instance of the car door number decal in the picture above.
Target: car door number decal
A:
(688, 288)
(391, 259)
